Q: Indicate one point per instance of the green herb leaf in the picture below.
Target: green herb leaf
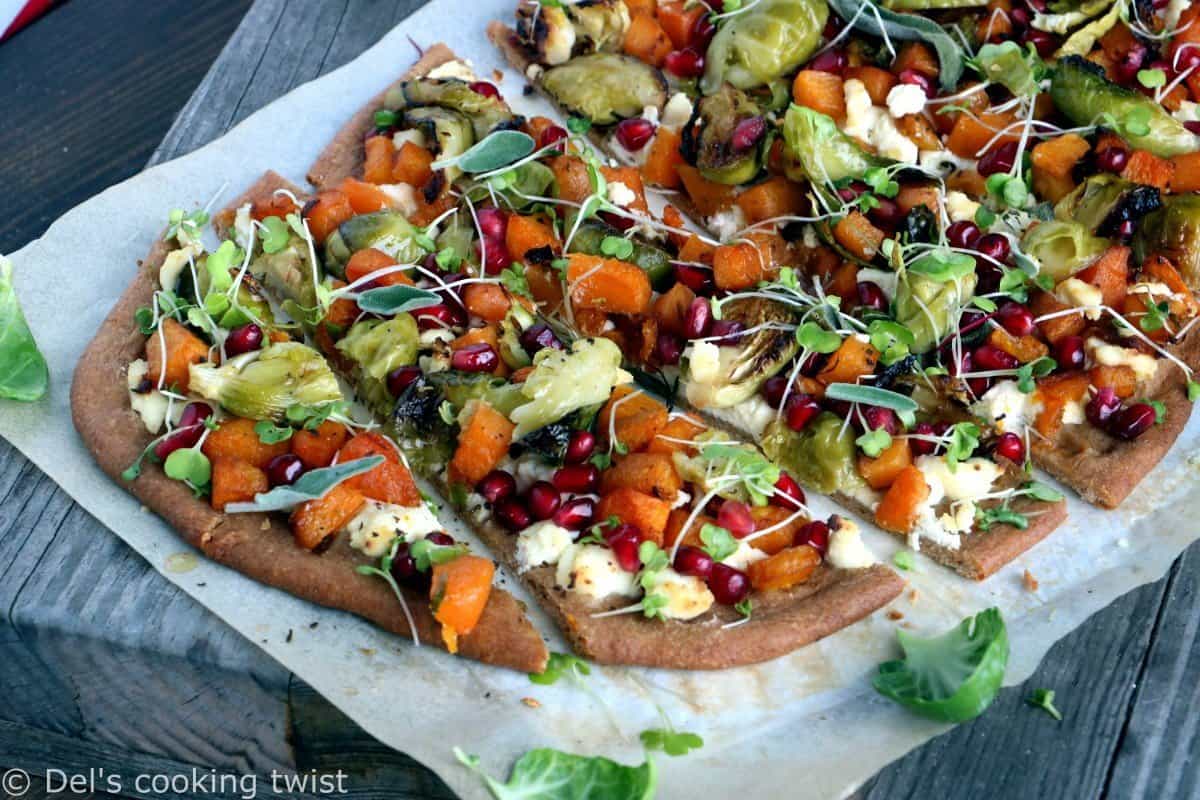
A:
(558, 665)
(891, 339)
(984, 217)
(880, 181)
(1044, 698)
(952, 677)
(310, 486)
(546, 774)
(513, 278)
(220, 263)
(984, 303)
(270, 433)
(144, 317)
(426, 554)
(745, 608)
(385, 118)
(718, 542)
(943, 266)
(964, 439)
(671, 742)
(812, 336)
(1160, 409)
(1136, 121)
(1152, 78)
(874, 442)
(1040, 491)
(396, 299)
(1000, 515)
(653, 558)
(496, 150)
(871, 396)
(273, 234)
(1013, 283)
(617, 246)
(311, 417)
(1028, 373)
(904, 560)
(1155, 317)
(579, 125)
(24, 375)
(1193, 390)
(189, 464)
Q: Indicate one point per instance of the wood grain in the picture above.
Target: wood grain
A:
(106, 663)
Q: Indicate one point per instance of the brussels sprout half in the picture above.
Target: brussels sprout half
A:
(766, 41)
(605, 87)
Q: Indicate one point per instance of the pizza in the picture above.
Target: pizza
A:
(885, 255)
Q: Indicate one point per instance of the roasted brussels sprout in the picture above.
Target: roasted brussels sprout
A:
(744, 367)
(1082, 93)
(769, 39)
(1173, 231)
(928, 307)
(529, 180)
(600, 25)
(654, 260)
(708, 138)
(820, 152)
(265, 383)
(822, 456)
(417, 426)
(388, 231)
(1102, 202)
(514, 323)
(1062, 248)
(376, 347)
(485, 112)
(461, 387)
(563, 381)
(547, 32)
(288, 272)
(451, 130)
(605, 87)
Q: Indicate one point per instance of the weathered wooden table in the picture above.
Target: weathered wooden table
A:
(105, 665)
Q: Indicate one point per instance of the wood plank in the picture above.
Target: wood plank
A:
(1156, 756)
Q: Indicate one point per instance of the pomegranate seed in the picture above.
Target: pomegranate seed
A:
(697, 279)
(634, 134)
(801, 410)
(1125, 230)
(728, 585)
(1102, 406)
(668, 348)
(698, 318)
(917, 79)
(1130, 64)
(1020, 18)
(440, 316)
(580, 447)
(773, 389)
(1193, 126)
(194, 414)
(920, 447)
(543, 500)
(1044, 43)
(479, 357)
(702, 33)
(815, 534)
(788, 495)
(887, 214)
(990, 357)
(616, 220)
(284, 470)
(849, 193)
(1011, 447)
(747, 134)
(878, 417)
(552, 134)
(728, 332)
(179, 439)
(496, 486)
(577, 478)
(1016, 319)
(538, 337)
(998, 159)
(735, 517)
(693, 561)
(685, 63)
(495, 255)
(1183, 57)
(624, 540)
(1132, 421)
(1068, 352)
(486, 89)
(512, 514)
(812, 365)
(993, 246)
(871, 296)
(404, 569)
(1112, 159)
(963, 234)
(576, 514)
(441, 539)
(401, 378)
(834, 61)
(244, 339)
(493, 223)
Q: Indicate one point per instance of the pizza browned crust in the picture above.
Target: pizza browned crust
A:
(1105, 470)
(255, 544)
(782, 621)
(343, 156)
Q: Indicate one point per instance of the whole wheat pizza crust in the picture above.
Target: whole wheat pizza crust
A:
(258, 545)
(343, 157)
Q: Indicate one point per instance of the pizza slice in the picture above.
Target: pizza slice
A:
(650, 537)
(219, 420)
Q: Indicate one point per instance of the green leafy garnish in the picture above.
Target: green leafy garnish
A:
(964, 439)
(1193, 390)
(426, 554)
(891, 339)
(1155, 317)
(546, 774)
(670, 741)
(270, 433)
(617, 246)
(274, 234)
(758, 475)
(874, 442)
(1160, 409)
(903, 405)
(1040, 491)
(880, 181)
(984, 217)
(943, 266)
(904, 560)
(1044, 698)
(1152, 78)
(396, 299)
(745, 608)
(24, 375)
(579, 125)
(312, 417)
(219, 263)
(191, 222)
(496, 150)
(718, 542)
(952, 677)
(985, 518)
(1028, 373)
(310, 486)
(812, 336)
(385, 118)
(189, 465)
(558, 665)
(144, 317)
(513, 278)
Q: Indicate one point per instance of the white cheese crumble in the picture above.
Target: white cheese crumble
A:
(687, 596)
(891, 143)
(414, 135)
(1110, 355)
(887, 280)
(402, 197)
(377, 524)
(541, 543)
(727, 223)
(905, 99)
(677, 111)
(151, 406)
(860, 112)
(454, 69)
(620, 194)
(960, 207)
(971, 480)
(943, 162)
(744, 556)
(176, 262)
(593, 571)
(1007, 407)
(846, 547)
(704, 362)
(1081, 294)
(560, 36)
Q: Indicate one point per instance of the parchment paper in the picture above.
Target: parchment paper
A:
(422, 701)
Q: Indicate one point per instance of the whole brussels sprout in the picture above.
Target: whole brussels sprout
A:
(763, 43)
